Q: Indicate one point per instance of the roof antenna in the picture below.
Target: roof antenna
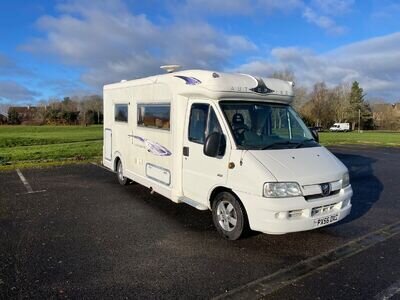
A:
(170, 68)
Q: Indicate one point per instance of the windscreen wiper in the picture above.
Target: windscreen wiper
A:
(301, 144)
(278, 143)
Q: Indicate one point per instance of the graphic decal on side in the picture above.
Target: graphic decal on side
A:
(189, 80)
(153, 147)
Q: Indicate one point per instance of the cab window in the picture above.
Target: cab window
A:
(203, 121)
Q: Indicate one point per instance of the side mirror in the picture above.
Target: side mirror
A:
(214, 145)
(315, 134)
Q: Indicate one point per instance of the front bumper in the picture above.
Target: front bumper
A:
(284, 215)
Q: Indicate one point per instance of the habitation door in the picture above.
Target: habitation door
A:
(202, 173)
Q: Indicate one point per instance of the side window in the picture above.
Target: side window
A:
(198, 122)
(121, 112)
(203, 122)
(297, 130)
(213, 124)
(154, 116)
(280, 123)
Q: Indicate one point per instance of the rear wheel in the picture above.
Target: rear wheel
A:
(120, 174)
(229, 216)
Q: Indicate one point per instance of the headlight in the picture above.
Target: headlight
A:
(345, 180)
(281, 189)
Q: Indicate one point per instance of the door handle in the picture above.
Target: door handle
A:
(185, 151)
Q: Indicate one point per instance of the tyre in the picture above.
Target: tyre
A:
(229, 216)
(120, 174)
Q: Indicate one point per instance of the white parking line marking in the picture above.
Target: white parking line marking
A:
(389, 292)
(26, 183)
(260, 288)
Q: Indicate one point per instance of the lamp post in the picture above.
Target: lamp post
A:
(359, 119)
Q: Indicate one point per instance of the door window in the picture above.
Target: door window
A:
(203, 121)
(198, 122)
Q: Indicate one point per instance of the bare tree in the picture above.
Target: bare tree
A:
(340, 100)
(321, 107)
(300, 93)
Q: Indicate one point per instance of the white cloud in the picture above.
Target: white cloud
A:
(13, 91)
(373, 62)
(321, 21)
(234, 7)
(113, 43)
(9, 67)
(316, 12)
(110, 42)
(333, 7)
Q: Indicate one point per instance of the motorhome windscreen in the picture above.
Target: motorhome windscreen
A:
(260, 125)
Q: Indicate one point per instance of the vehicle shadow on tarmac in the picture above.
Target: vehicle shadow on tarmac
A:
(366, 186)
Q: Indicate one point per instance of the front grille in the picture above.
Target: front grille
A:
(321, 210)
(317, 196)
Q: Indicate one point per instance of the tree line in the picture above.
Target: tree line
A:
(345, 103)
(322, 106)
(67, 111)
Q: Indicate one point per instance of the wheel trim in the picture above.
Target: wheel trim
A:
(227, 216)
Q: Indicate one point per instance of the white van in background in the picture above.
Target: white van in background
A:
(230, 143)
(344, 127)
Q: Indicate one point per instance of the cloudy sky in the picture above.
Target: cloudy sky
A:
(56, 48)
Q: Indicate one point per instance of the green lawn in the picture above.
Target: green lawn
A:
(29, 146)
(48, 145)
(373, 138)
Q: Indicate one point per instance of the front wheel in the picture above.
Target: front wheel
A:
(120, 173)
(229, 216)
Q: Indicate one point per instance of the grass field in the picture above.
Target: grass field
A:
(30, 146)
(373, 138)
(22, 146)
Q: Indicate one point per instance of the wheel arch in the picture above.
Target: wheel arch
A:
(117, 158)
(220, 189)
(246, 223)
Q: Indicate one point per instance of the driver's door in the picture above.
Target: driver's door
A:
(200, 172)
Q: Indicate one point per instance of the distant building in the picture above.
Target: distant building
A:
(386, 115)
(25, 113)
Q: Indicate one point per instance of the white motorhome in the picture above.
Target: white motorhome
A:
(230, 143)
(340, 127)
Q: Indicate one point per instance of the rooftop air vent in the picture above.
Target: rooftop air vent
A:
(170, 68)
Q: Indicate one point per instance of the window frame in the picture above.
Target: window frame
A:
(207, 129)
(127, 112)
(154, 104)
(190, 119)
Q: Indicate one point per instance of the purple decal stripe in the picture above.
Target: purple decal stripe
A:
(189, 80)
(153, 147)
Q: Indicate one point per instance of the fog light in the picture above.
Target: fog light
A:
(345, 203)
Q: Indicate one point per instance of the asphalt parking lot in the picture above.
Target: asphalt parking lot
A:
(76, 233)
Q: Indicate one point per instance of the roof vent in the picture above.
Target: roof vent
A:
(170, 68)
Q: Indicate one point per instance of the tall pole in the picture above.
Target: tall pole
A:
(359, 119)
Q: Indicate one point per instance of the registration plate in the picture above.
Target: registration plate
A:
(326, 220)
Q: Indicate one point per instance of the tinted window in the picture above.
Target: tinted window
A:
(213, 124)
(121, 112)
(198, 122)
(203, 121)
(154, 116)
